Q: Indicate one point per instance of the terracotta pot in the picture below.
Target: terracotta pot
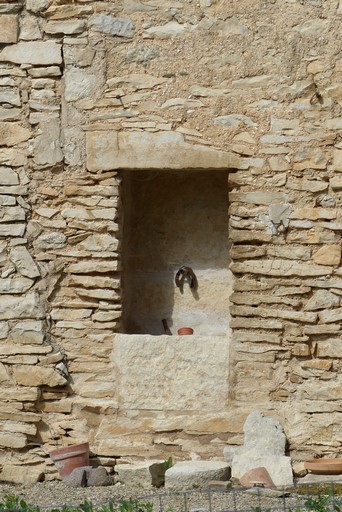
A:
(185, 331)
(324, 466)
(68, 458)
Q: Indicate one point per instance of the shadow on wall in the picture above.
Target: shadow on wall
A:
(171, 219)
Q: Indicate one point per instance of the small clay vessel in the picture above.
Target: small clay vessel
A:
(183, 331)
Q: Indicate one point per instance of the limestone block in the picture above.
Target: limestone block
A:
(26, 375)
(21, 307)
(330, 348)
(12, 440)
(13, 157)
(20, 474)
(21, 394)
(94, 282)
(309, 159)
(328, 255)
(149, 389)
(280, 268)
(29, 332)
(29, 28)
(306, 185)
(4, 376)
(88, 267)
(313, 390)
(15, 285)
(23, 262)
(36, 53)
(143, 150)
(195, 474)
(81, 83)
(37, 5)
(52, 240)
(278, 466)
(313, 213)
(141, 474)
(252, 82)
(265, 198)
(322, 299)
(12, 134)
(9, 214)
(99, 242)
(330, 315)
(137, 81)
(264, 446)
(68, 26)
(8, 176)
(120, 27)
(234, 120)
(47, 148)
(18, 428)
(168, 30)
(9, 114)
(8, 29)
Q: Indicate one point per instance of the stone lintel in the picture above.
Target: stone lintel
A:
(108, 150)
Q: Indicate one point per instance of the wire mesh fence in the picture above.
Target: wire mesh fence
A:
(318, 497)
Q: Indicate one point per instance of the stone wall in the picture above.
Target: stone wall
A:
(90, 88)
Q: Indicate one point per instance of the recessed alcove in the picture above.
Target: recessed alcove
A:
(175, 218)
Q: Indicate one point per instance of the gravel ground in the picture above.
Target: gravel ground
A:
(54, 494)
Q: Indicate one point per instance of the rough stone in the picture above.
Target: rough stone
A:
(195, 474)
(8, 29)
(26, 375)
(47, 146)
(264, 446)
(322, 299)
(108, 150)
(23, 262)
(120, 27)
(142, 474)
(35, 53)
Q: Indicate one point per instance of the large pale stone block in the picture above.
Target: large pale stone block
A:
(12, 134)
(278, 466)
(195, 473)
(37, 53)
(26, 375)
(23, 262)
(143, 150)
(8, 29)
(21, 307)
(47, 147)
(201, 367)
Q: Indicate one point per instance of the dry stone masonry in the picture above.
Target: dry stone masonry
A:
(93, 91)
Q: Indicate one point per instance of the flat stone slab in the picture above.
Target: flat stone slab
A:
(143, 474)
(195, 474)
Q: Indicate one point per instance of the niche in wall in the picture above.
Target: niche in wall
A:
(171, 219)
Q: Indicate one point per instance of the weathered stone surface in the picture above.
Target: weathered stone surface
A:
(85, 267)
(330, 348)
(141, 473)
(280, 268)
(12, 134)
(322, 299)
(120, 27)
(80, 83)
(25, 375)
(108, 150)
(71, 26)
(330, 315)
(15, 285)
(328, 255)
(195, 474)
(8, 29)
(53, 240)
(23, 262)
(20, 474)
(168, 30)
(264, 446)
(47, 146)
(36, 53)
(20, 307)
(140, 391)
